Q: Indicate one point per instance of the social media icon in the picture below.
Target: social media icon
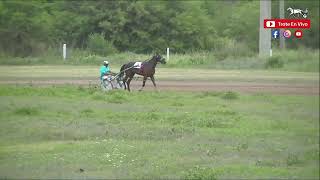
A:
(287, 33)
(298, 34)
(275, 33)
(271, 24)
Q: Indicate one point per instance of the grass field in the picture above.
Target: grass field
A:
(299, 60)
(57, 72)
(76, 132)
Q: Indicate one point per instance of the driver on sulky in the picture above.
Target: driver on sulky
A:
(105, 70)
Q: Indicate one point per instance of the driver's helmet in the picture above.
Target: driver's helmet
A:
(105, 63)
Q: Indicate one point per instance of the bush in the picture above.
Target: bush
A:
(302, 59)
(241, 63)
(116, 96)
(97, 44)
(230, 95)
(274, 62)
(86, 112)
(201, 173)
(192, 58)
(226, 47)
(26, 111)
(292, 159)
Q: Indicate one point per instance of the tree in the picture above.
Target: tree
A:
(29, 28)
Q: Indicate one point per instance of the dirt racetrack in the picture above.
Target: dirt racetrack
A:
(192, 85)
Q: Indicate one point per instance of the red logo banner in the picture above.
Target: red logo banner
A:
(287, 23)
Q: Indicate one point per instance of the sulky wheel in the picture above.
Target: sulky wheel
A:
(106, 85)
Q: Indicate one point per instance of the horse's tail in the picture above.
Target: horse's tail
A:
(121, 73)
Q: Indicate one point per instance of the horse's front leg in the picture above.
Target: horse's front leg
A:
(143, 83)
(153, 82)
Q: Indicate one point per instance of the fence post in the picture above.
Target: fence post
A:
(167, 54)
(64, 51)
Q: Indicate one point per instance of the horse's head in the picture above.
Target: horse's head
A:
(159, 58)
(289, 9)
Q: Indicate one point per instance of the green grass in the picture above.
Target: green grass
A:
(67, 72)
(302, 60)
(53, 132)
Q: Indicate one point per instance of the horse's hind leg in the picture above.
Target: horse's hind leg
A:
(125, 81)
(128, 83)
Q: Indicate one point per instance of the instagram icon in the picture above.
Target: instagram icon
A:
(286, 33)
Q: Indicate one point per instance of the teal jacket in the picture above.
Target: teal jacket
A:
(104, 70)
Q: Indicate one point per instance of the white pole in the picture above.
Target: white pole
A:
(264, 34)
(167, 54)
(64, 51)
(270, 52)
(281, 12)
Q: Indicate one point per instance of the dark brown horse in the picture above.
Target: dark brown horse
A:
(145, 69)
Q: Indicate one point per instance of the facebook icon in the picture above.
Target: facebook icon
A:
(275, 33)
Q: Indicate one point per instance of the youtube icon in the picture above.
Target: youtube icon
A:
(270, 24)
(298, 34)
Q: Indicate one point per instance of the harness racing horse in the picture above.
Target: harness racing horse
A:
(145, 69)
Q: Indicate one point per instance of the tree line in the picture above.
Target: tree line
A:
(31, 27)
